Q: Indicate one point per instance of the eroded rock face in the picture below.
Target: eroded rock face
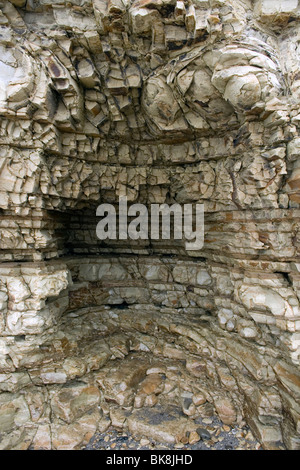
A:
(161, 101)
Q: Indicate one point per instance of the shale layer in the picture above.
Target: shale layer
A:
(161, 101)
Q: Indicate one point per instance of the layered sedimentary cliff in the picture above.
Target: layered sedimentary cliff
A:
(161, 101)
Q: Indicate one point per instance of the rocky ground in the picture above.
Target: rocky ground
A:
(211, 435)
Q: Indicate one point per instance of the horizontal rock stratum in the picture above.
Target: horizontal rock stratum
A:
(162, 102)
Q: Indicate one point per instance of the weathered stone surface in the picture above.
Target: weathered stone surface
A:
(71, 402)
(162, 102)
(74, 436)
(119, 382)
(225, 410)
(159, 424)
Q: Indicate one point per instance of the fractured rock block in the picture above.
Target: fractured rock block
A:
(225, 410)
(175, 37)
(87, 74)
(179, 12)
(18, 3)
(190, 19)
(70, 19)
(276, 11)
(74, 436)
(271, 7)
(162, 424)
(72, 402)
(143, 20)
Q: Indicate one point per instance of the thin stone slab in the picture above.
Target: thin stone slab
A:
(166, 424)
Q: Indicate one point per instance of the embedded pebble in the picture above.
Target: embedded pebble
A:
(203, 433)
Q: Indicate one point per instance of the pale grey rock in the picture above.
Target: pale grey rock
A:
(162, 102)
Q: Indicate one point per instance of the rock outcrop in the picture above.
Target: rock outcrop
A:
(161, 101)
